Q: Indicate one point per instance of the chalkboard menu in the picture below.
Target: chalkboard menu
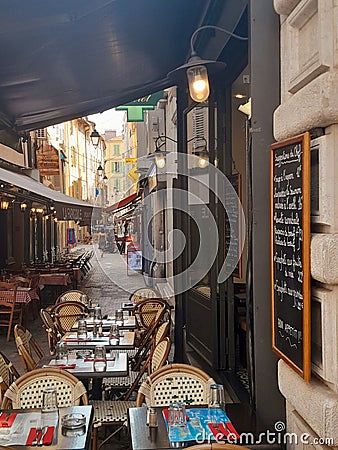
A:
(233, 204)
(290, 252)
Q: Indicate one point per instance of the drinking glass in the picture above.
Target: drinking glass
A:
(92, 313)
(82, 329)
(216, 402)
(84, 299)
(49, 400)
(61, 352)
(100, 360)
(119, 316)
(177, 415)
(114, 335)
(97, 313)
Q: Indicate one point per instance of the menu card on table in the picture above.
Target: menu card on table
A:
(199, 428)
(21, 429)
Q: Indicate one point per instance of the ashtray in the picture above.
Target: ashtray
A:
(73, 421)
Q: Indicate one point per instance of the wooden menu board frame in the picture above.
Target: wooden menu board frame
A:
(290, 252)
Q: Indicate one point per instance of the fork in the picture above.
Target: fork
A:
(43, 432)
(36, 439)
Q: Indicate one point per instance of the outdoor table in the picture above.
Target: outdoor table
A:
(23, 295)
(129, 323)
(127, 341)
(117, 366)
(54, 279)
(144, 438)
(128, 307)
(60, 442)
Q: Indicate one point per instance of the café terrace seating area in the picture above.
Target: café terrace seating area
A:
(102, 375)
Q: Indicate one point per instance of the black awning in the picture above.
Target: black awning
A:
(67, 208)
(67, 59)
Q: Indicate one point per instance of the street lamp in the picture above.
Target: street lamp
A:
(160, 155)
(202, 152)
(196, 69)
(95, 138)
(100, 171)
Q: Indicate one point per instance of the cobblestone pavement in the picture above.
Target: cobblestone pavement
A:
(99, 284)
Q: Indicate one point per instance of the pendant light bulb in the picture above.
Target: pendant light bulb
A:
(198, 83)
(160, 161)
(203, 161)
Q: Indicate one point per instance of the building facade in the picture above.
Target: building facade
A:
(309, 94)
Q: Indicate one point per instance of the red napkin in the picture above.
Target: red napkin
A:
(221, 432)
(63, 366)
(48, 437)
(91, 359)
(166, 415)
(9, 419)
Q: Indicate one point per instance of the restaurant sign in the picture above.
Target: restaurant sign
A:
(48, 160)
(135, 109)
(78, 213)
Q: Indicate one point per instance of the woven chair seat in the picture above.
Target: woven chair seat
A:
(130, 353)
(122, 382)
(110, 411)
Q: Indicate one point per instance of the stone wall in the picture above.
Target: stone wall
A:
(309, 99)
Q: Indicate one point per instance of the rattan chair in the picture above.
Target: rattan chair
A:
(160, 333)
(29, 350)
(26, 391)
(8, 374)
(73, 296)
(123, 387)
(149, 314)
(142, 294)
(120, 384)
(53, 335)
(146, 311)
(26, 282)
(66, 313)
(175, 382)
(114, 412)
(10, 311)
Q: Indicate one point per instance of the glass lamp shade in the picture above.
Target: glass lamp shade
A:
(23, 206)
(160, 161)
(95, 138)
(203, 161)
(198, 83)
(4, 204)
(100, 170)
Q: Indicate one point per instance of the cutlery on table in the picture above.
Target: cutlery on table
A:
(36, 438)
(43, 433)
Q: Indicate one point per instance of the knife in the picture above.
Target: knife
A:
(44, 431)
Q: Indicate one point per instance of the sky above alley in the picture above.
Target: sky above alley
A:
(108, 120)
